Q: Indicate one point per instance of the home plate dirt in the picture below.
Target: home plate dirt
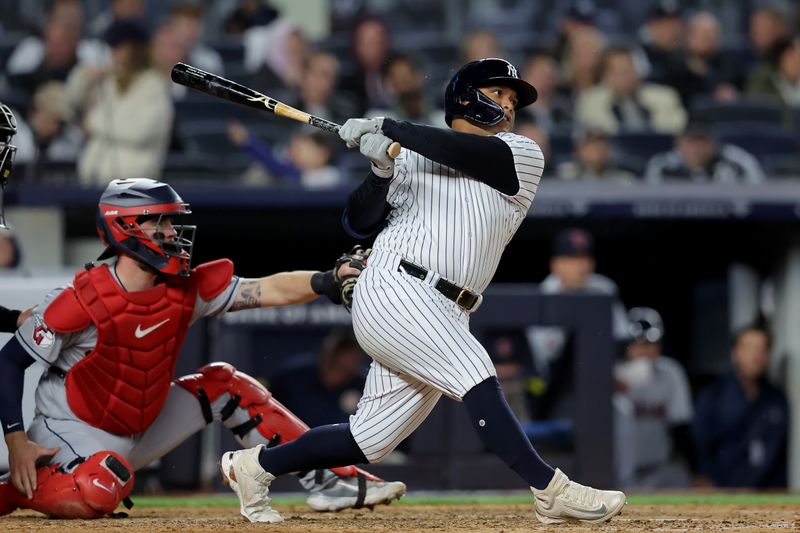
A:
(426, 518)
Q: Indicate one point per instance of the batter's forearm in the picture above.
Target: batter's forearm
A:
(484, 158)
(367, 207)
(285, 288)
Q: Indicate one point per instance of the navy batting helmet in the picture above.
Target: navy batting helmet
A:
(8, 128)
(463, 99)
(127, 202)
(645, 325)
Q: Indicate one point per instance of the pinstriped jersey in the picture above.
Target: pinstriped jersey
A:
(453, 224)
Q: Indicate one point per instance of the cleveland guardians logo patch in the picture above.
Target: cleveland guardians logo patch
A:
(42, 335)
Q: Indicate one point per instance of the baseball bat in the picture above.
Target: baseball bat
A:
(237, 93)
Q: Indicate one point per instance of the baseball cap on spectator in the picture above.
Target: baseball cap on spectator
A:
(130, 30)
(582, 11)
(698, 128)
(573, 242)
(590, 133)
(665, 9)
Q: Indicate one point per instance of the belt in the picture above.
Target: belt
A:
(463, 297)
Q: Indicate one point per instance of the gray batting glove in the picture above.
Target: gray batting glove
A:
(374, 147)
(354, 128)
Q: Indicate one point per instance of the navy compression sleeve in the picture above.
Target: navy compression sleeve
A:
(367, 207)
(8, 319)
(485, 158)
(13, 362)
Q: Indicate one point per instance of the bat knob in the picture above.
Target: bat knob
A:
(394, 150)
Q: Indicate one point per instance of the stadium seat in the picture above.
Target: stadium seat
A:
(761, 142)
(643, 145)
(742, 111)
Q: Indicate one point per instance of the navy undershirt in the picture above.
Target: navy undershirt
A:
(13, 362)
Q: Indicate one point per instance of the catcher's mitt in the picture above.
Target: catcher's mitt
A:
(357, 259)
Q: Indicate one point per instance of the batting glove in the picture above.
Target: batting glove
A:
(354, 128)
(374, 147)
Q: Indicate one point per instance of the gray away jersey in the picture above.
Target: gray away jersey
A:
(457, 227)
(65, 350)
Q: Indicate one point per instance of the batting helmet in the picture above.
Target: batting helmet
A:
(8, 128)
(463, 99)
(125, 204)
(645, 325)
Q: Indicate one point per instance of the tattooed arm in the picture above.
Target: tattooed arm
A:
(286, 288)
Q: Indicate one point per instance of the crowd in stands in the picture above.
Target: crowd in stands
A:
(671, 100)
(734, 433)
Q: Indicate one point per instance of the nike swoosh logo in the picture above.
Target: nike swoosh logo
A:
(590, 513)
(15, 424)
(144, 332)
(100, 485)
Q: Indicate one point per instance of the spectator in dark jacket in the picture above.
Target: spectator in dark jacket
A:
(699, 157)
(742, 421)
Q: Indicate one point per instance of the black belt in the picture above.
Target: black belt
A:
(464, 298)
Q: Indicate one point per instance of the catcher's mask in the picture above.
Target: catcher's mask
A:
(8, 128)
(125, 205)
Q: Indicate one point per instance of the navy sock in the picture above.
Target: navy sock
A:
(501, 433)
(321, 447)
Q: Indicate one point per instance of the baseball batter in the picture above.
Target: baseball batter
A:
(108, 405)
(444, 211)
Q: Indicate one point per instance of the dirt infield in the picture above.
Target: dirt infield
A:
(427, 518)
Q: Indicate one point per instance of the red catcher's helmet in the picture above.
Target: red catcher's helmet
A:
(127, 202)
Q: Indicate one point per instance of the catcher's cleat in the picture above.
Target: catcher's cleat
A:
(564, 500)
(330, 492)
(242, 472)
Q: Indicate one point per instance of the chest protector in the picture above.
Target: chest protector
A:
(122, 384)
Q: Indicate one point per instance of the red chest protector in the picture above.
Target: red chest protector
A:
(122, 384)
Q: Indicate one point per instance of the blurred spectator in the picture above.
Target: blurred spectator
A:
(275, 54)
(702, 68)
(662, 36)
(507, 356)
(572, 271)
(479, 45)
(187, 20)
(527, 126)
(248, 14)
(36, 60)
(317, 93)
(167, 49)
(551, 109)
(117, 9)
(371, 44)
(623, 103)
(404, 82)
(49, 134)
(325, 390)
(700, 158)
(307, 162)
(779, 78)
(10, 254)
(128, 121)
(653, 410)
(593, 159)
(579, 19)
(582, 66)
(741, 421)
(768, 24)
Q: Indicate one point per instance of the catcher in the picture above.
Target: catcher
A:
(108, 404)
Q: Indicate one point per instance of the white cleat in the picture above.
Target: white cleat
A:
(330, 492)
(242, 472)
(564, 500)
